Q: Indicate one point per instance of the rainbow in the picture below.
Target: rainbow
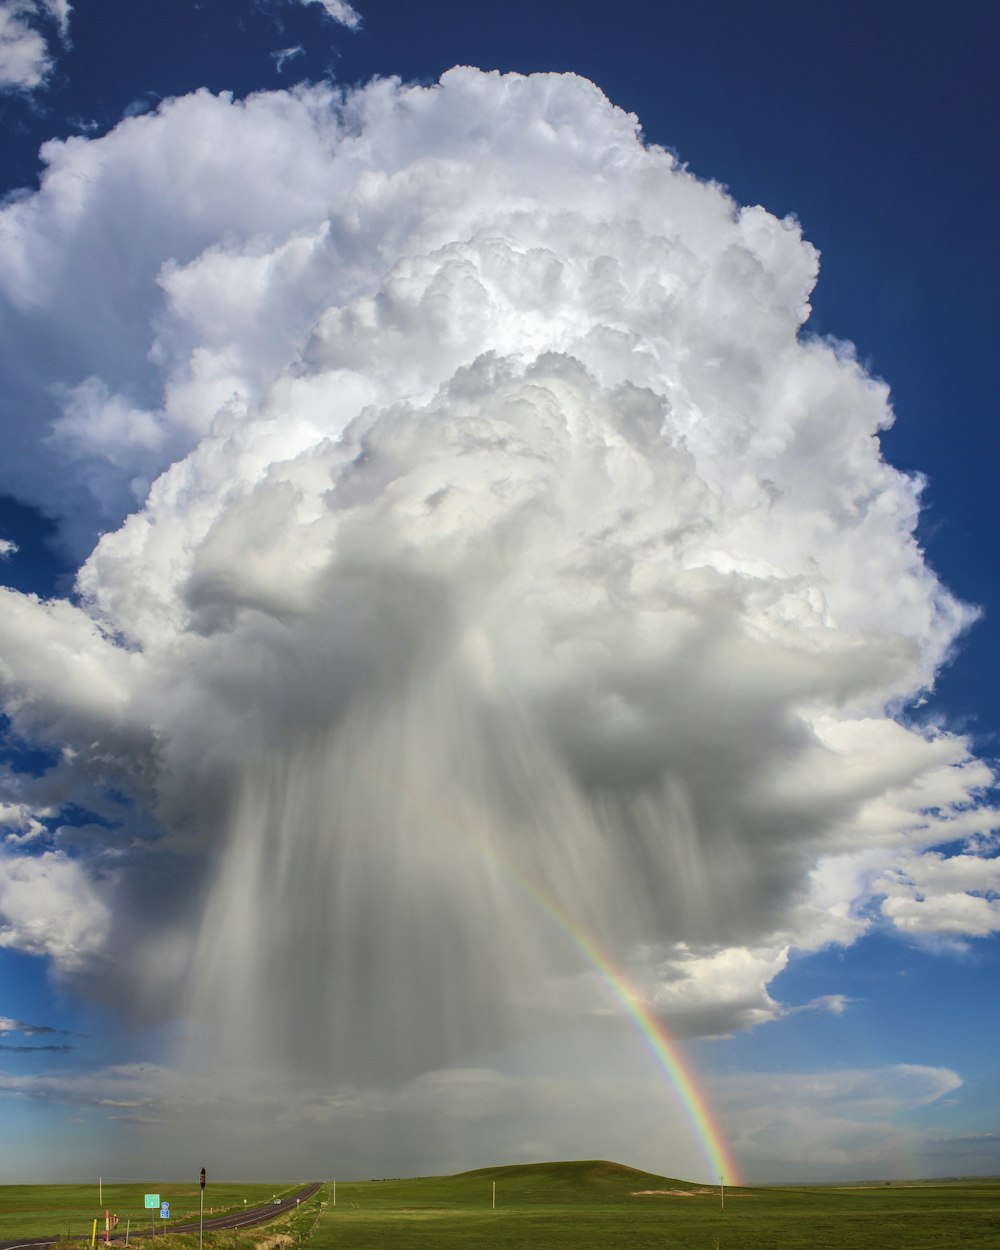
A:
(664, 1049)
(668, 1055)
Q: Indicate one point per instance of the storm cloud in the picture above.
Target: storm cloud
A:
(489, 555)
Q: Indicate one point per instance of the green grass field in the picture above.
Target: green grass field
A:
(575, 1206)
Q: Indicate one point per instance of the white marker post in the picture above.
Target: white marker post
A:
(494, 1195)
(722, 1194)
(334, 1193)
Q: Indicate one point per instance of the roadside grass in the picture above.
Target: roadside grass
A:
(69, 1210)
(586, 1205)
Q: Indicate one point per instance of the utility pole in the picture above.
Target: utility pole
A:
(201, 1220)
(722, 1194)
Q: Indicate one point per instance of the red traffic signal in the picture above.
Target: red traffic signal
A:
(203, 1178)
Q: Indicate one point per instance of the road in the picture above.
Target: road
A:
(244, 1218)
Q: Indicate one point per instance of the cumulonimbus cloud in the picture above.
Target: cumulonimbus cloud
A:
(490, 552)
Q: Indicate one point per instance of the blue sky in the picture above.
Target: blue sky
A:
(825, 947)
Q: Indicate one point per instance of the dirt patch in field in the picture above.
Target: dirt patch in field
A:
(711, 1190)
(665, 1193)
(280, 1242)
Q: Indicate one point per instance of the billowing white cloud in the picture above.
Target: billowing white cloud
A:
(49, 907)
(935, 895)
(253, 171)
(25, 58)
(498, 584)
(19, 821)
(703, 993)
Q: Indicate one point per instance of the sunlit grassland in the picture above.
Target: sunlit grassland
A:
(594, 1206)
(600, 1206)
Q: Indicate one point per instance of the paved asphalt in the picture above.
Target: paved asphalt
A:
(235, 1219)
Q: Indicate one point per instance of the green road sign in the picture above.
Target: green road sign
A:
(152, 1200)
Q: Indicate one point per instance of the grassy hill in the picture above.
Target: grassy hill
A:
(518, 1185)
(575, 1181)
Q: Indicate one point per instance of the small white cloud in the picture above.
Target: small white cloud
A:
(833, 1004)
(951, 897)
(25, 56)
(716, 993)
(340, 11)
(19, 822)
(7, 1025)
(282, 57)
(7, 548)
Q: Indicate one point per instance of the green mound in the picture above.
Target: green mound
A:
(574, 1180)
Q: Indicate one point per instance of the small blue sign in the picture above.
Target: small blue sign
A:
(164, 1210)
